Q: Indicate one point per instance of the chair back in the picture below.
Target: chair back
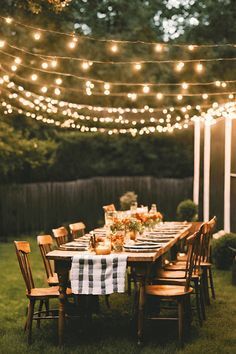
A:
(207, 230)
(77, 230)
(61, 235)
(110, 207)
(22, 252)
(45, 245)
(193, 243)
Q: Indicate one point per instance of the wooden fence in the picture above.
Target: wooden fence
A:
(38, 207)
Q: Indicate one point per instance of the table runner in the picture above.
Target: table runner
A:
(97, 274)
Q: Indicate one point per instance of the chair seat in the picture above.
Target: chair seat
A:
(176, 266)
(181, 257)
(53, 280)
(52, 291)
(205, 264)
(175, 274)
(167, 290)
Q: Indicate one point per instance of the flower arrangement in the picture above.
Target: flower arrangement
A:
(149, 220)
(117, 225)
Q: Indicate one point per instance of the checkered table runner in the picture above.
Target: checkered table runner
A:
(98, 275)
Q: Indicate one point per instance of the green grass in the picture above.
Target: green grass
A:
(112, 330)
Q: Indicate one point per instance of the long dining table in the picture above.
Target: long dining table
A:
(142, 262)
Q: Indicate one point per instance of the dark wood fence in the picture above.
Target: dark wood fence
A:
(38, 207)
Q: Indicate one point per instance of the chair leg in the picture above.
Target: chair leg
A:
(202, 300)
(129, 283)
(181, 322)
(211, 283)
(30, 319)
(39, 312)
(46, 302)
(198, 306)
(26, 321)
(205, 286)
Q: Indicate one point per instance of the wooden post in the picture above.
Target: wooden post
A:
(227, 180)
(206, 175)
(197, 136)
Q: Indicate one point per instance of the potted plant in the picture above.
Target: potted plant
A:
(127, 199)
(187, 210)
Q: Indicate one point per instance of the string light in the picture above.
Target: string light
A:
(158, 48)
(8, 20)
(44, 65)
(34, 77)
(205, 96)
(218, 83)
(199, 67)
(54, 63)
(185, 85)
(85, 65)
(179, 66)
(179, 97)
(191, 47)
(37, 36)
(13, 67)
(146, 89)
(114, 48)
(57, 91)
(2, 43)
(159, 96)
(58, 81)
(44, 89)
(138, 66)
(18, 60)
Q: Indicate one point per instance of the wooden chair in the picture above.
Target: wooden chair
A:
(206, 261)
(77, 230)
(43, 295)
(178, 273)
(45, 245)
(179, 294)
(109, 207)
(61, 235)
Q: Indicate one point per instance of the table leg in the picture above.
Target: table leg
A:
(141, 304)
(63, 277)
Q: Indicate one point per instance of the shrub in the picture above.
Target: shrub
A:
(222, 255)
(187, 210)
(127, 199)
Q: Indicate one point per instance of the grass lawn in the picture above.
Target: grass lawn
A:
(112, 330)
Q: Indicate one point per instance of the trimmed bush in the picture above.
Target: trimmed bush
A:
(187, 210)
(222, 255)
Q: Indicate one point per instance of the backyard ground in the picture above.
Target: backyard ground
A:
(112, 330)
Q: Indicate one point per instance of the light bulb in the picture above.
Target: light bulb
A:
(223, 84)
(34, 77)
(146, 89)
(205, 96)
(159, 96)
(114, 48)
(179, 66)
(58, 81)
(138, 66)
(18, 60)
(107, 92)
(13, 67)
(179, 97)
(2, 43)
(199, 67)
(85, 65)
(44, 65)
(184, 85)
(191, 47)
(57, 91)
(158, 48)
(53, 63)
(8, 20)
(72, 44)
(44, 89)
(107, 86)
(37, 36)
(217, 83)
